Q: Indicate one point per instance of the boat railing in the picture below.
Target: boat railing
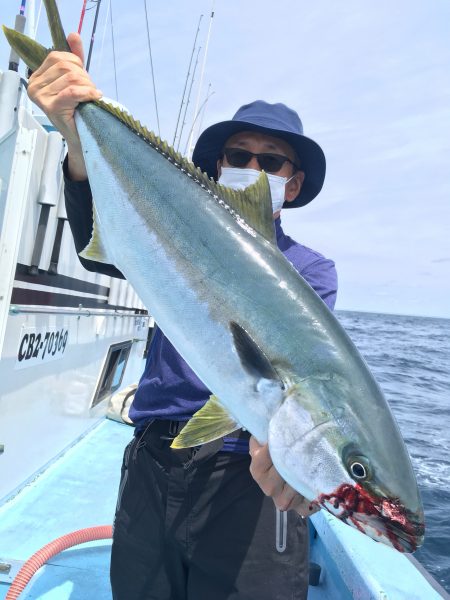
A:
(78, 312)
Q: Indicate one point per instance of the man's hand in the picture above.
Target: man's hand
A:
(268, 479)
(57, 87)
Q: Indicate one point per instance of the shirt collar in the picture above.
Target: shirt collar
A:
(278, 230)
(284, 242)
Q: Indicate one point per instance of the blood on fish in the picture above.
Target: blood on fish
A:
(355, 500)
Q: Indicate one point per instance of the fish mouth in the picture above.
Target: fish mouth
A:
(383, 519)
(404, 537)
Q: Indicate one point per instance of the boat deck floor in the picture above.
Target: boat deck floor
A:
(78, 490)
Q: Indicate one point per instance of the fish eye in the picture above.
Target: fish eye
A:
(357, 465)
(358, 470)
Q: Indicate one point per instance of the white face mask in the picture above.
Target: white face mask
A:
(239, 179)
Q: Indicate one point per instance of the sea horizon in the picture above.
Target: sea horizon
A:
(390, 314)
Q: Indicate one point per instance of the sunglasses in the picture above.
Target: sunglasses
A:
(271, 163)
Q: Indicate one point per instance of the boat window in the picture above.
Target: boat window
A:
(113, 370)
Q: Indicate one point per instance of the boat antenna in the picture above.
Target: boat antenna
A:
(186, 82)
(94, 28)
(188, 98)
(201, 76)
(151, 67)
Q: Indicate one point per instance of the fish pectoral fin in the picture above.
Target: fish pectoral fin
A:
(254, 205)
(96, 250)
(211, 422)
(252, 358)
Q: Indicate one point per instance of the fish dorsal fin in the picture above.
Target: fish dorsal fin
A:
(252, 358)
(210, 423)
(96, 250)
(252, 205)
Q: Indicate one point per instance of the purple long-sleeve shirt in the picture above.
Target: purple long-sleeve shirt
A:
(168, 388)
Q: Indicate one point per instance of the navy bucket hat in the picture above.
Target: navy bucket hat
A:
(277, 120)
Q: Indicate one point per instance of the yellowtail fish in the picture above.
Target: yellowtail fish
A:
(204, 259)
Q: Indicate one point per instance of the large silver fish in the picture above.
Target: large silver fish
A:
(204, 259)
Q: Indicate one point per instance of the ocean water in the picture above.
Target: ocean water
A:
(410, 358)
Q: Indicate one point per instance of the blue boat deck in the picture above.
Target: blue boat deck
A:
(78, 490)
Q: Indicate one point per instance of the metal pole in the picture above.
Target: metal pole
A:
(18, 26)
(16, 309)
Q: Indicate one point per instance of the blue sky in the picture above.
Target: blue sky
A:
(371, 82)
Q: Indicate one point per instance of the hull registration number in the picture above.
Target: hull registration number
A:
(39, 346)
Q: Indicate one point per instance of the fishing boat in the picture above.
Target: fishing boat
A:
(71, 341)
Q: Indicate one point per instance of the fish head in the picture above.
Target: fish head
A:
(367, 502)
(348, 457)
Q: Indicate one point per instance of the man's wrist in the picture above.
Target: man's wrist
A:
(76, 169)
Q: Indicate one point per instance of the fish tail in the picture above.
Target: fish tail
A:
(56, 28)
(31, 52)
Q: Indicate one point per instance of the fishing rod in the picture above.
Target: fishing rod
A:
(105, 25)
(83, 11)
(200, 112)
(202, 109)
(151, 67)
(186, 82)
(188, 98)
(202, 74)
(113, 48)
(94, 28)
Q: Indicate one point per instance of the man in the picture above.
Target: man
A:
(201, 523)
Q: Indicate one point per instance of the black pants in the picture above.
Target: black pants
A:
(193, 525)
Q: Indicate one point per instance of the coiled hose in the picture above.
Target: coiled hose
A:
(39, 558)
